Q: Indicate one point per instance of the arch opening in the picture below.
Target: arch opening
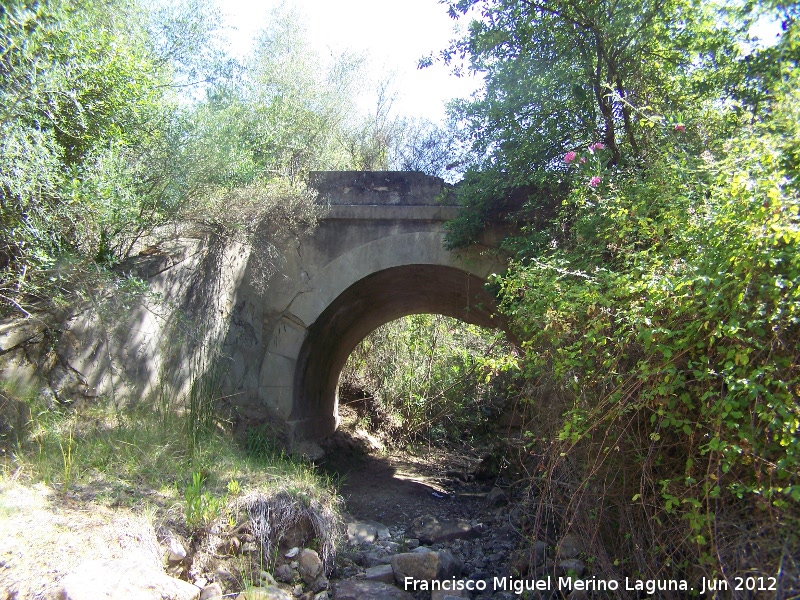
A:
(425, 378)
(366, 305)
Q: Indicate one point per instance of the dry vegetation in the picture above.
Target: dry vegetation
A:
(91, 482)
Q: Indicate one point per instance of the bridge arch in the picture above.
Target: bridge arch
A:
(372, 301)
(377, 255)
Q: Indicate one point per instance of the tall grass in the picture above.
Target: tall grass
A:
(139, 452)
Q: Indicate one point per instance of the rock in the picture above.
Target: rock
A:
(570, 566)
(496, 497)
(384, 573)
(391, 547)
(412, 543)
(429, 530)
(425, 566)
(107, 579)
(310, 566)
(373, 559)
(570, 546)
(232, 546)
(18, 332)
(449, 565)
(449, 594)
(365, 532)
(176, 551)
(211, 591)
(223, 574)
(285, 574)
(417, 565)
(319, 584)
(538, 553)
(353, 589)
(267, 579)
(265, 593)
(308, 450)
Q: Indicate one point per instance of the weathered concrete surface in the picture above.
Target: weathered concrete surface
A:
(378, 255)
(134, 346)
(280, 338)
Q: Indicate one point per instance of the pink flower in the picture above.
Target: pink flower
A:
(680, 127)
(570, 156)
(582, 159)
(594, 181)
(597, 146)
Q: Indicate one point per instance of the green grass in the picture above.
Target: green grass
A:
(178, 466)
(123, 456)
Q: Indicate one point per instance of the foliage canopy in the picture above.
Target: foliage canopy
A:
(654, 284)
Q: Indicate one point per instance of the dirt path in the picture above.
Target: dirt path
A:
(395, 487)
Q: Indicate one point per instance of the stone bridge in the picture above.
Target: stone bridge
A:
(377, 255)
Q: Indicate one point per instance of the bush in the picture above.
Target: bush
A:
(429, 377)
(669, 317)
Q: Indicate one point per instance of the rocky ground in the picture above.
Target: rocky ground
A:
(432, 515)
(435, 516)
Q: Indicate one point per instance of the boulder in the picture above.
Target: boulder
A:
(114, 579)
(429, 530)
(285, 574)
(570, 546)
(496, 497)
(365, 532)
(384, 573)
(309, 450)
(211, 591)
(449, 594)
(266, 593)
(424, 566)
(310, 566)
(570, 566)
(538, 553)
(177, 552)
(353, 589)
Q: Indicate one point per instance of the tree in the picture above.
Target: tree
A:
(115, 120)
(82, 97)
(430, 148)
(301, 105)
(563, 75)
(653, 301)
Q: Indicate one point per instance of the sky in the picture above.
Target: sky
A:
(393, 34)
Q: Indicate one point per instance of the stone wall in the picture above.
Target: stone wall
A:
(127, 346)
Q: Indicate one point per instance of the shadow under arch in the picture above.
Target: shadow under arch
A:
(363, 307)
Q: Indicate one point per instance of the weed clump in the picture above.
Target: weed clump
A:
(286, 517)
